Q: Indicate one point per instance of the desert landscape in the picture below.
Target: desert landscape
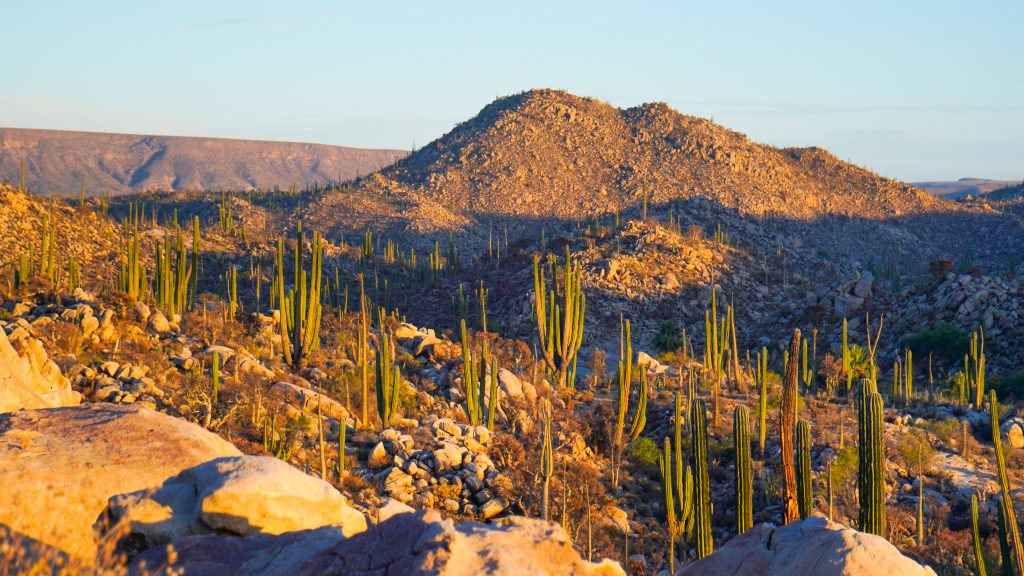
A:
(565, 337)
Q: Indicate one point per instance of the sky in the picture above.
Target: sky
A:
(911, 89)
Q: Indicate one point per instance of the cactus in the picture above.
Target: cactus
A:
(920, 502)
(560, 325)
(762, 399)
(214, 379)
(846, 357)
(47, 262)
(702, 481)
(1005, 563)
(300, 308)
(1006, 500)
(232, 291)
(363, 348)
(665, 465)
(744, 481)
(342, 433)
(470, 378)
(979, 559)
(976, 367)
(805, 495)
(871, 462)
(131, 277)
(492, 405)
(74, 277)
(172, 276)
(683, 480)
(787, 418)
(389, 377)
(547, 460)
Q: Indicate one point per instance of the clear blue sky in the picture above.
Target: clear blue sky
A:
(914, 90)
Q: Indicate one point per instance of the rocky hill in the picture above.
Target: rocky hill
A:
(551, 153)
(56, 161)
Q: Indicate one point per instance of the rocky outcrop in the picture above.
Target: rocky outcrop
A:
(61, 466)
(407, 544)
(811, 547)
(240, 495)
(29, 379)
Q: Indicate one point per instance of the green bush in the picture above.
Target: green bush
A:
(943, 341)
(1008, 385)
(668, 338)
(645, 451)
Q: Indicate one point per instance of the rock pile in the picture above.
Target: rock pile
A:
(454, 473)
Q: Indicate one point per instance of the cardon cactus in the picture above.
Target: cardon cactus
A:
(804, 494)
(702, 481)
(744, 480)
(871, 463)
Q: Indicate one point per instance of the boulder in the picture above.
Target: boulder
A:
(1013, 431)
(810, 547)
(862, 289)
(61, 466)
(29, 379)
(510, 384)
(409, 544)
(158, 322)
(240, 495)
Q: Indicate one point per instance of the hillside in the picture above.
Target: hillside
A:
(56, 161)
(550, 153)
(954, 190)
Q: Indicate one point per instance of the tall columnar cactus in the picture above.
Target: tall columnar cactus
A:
(846, 357)
(48, 262)
(74, 276)
(231, 281)
(805, 494)
(471, 378)
(787, 419)
(976, 367)
(214, 379)
(547, 457)
(667, 486)
(193, 289)
(702, 480)
(389, 377)
(342, 433)
(683, 479)
(871, 462)
(1005, 560)
(1012, 529)
(300, 307)
(560, 324)
(625, 375)
(492, 404)
(744, 485)
(979, 559)
(762, 399)
(908, 378)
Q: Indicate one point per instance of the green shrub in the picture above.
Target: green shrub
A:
(645, 451)
(844, 467)
(668, 338)
(943, 341)
(914, 447)
(1009, 385)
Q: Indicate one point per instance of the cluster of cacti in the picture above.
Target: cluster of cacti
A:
(389, 376)
(231, 281)
(172, 275)
(131, 277)
(300, 307)
(787, 419)
(480, 382)
(701, 478)
(547, 457)
(1012, 538)
(278, 443)
(559, 323)
(622, 438)
(48, 261)
(225, 219)
(871, 460)
(363, 349)
(744, 485)
(804, 492)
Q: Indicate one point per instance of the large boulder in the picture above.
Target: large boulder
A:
(408, 544)
(240, 495)
(60, 466)
(29, 379)
(811, 547)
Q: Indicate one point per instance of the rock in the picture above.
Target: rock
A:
(239, 494)
(63, 465)
(29, 379)
(510, 384)
(158, 323)
(392, 508)
(141, 310)
(811, 547)
(493, 507)
(419, 543)
(846, 305)
(1013, 431)
(379, 457)
(862, 288)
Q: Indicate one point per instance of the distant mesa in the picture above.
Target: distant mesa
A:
(56, 161)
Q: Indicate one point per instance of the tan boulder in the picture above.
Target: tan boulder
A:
(811, 547)
(408, 543)
(60, 466)
(240, 495)
(29, 379)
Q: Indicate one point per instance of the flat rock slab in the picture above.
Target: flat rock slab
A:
(60, 466)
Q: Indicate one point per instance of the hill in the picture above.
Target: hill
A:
(549, 153)
(56, 161)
